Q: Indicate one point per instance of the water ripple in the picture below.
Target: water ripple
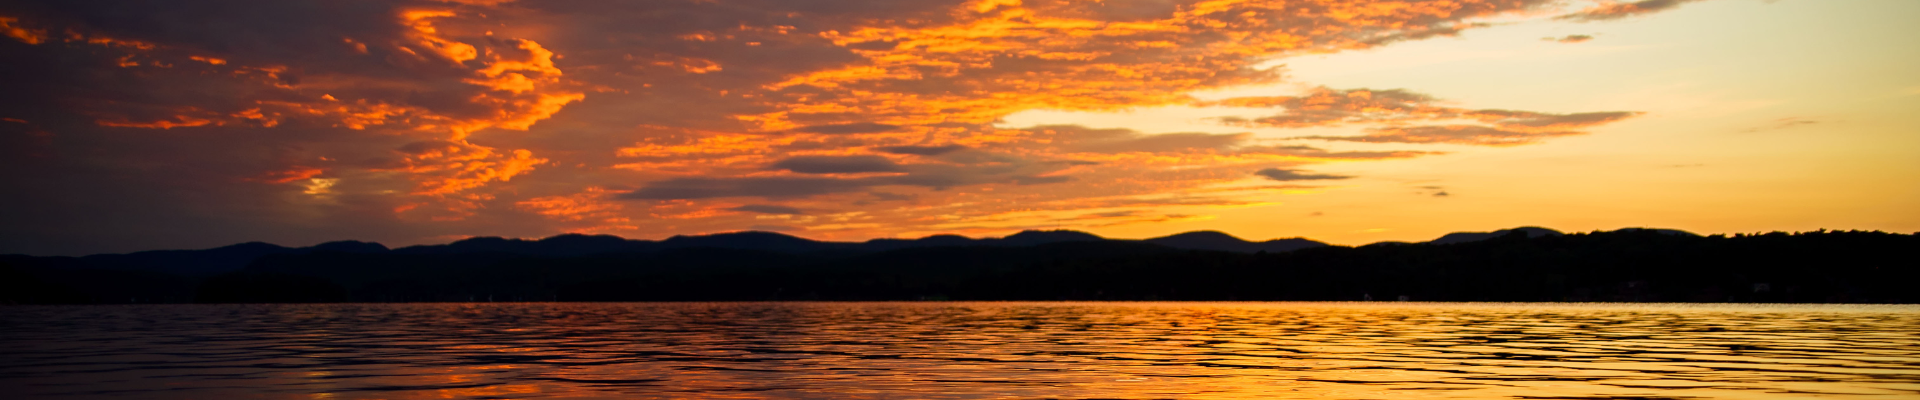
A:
(960, 350)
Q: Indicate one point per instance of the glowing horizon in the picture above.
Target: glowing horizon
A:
(143, 126)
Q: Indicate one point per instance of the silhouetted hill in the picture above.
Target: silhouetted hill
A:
(942, 241)
(350, 246)
(753, 240)
(230, 258)
(1220, 241)
(210, 261)
(930, 241)
(562, 245)
(1523, 264)
(213, 260)
(1463, 237)
(1030, 238)
(1674, 232)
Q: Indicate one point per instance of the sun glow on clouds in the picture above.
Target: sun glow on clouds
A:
(517, 85)
(863, 123)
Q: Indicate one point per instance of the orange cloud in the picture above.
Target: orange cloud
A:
(1012, 56)
(709, 117)
(510, 84)
(178, 121)
(24, 35)
(292, 175)
(590, 210)
(448, 167)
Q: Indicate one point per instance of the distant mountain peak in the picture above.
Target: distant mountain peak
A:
(760, 240)
(1052, 235)
(741, 235)
(1201, 235)
(581, 236)
(1672, 232)
(247, 245)
(1464, 237)
(350, 246)
(483, 240)
(1221, 241)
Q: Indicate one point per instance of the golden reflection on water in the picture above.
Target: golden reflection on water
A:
(960, 350)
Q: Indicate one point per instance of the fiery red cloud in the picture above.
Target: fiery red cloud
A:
(419, 120)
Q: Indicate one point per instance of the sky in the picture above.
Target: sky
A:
(136, 125)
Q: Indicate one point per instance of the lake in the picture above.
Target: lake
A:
(940, 350)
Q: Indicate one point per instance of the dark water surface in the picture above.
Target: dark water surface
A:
(959, 350)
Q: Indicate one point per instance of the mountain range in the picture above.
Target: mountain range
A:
(1519, 264)
(234, 257)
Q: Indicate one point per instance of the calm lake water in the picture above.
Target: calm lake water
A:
(959, 350)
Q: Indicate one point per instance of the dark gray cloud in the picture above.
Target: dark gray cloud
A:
(837, 164)
(424, 146)
(1040, 180)
(857, 127)
(935, 176)
(1077, 138)
(768, 209)
(796, 187)
(884, 196)
(1541, 120)
(923, 150)
(1284, 175)
(1170, 142)
(767, 187)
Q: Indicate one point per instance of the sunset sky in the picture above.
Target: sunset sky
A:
(136, 125)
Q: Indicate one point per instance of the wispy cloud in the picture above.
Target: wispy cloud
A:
(1284, 175)
(1397, 115)
(1569, 38)
(768, 209)
(1783, 123)
(1611, 9)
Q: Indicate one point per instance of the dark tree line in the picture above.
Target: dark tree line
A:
(1628, 265)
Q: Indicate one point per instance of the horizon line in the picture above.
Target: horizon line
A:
(745, 231)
